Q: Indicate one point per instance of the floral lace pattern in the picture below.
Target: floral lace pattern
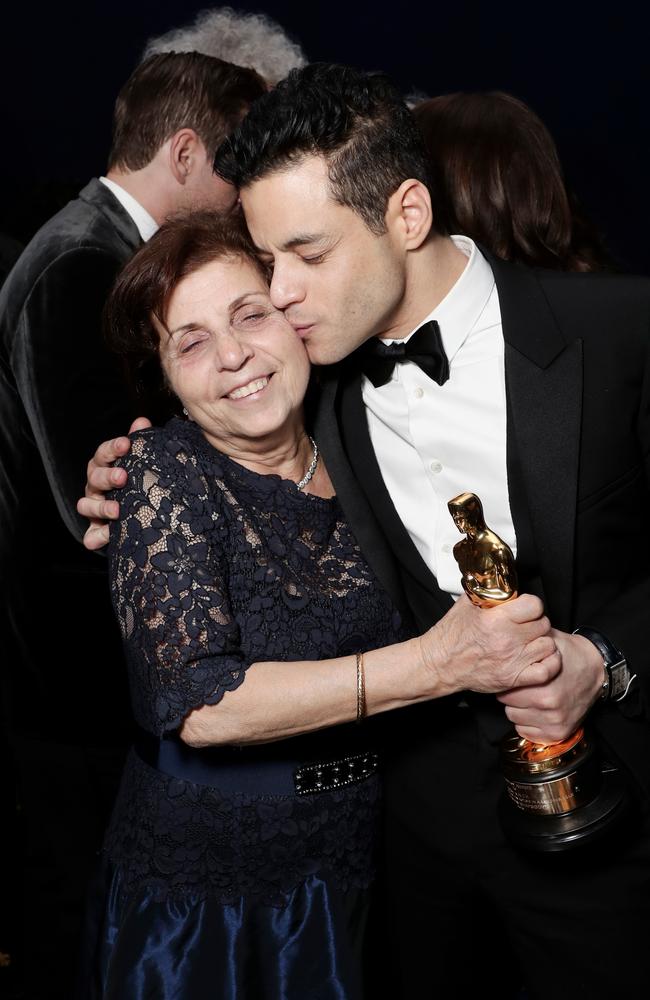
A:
(214, 567)
(177, 837)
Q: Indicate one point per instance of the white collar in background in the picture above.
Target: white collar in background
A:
(145, 223)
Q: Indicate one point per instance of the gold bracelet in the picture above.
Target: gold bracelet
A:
(361, 689)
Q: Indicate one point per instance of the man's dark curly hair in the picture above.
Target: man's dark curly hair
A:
(358, 121)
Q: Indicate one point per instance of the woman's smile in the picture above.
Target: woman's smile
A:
(253, 388)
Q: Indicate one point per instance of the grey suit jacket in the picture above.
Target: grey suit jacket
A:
(61, 392)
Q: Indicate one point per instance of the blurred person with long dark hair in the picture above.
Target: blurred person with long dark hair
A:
(498, 178)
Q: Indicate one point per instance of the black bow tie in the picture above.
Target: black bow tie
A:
(424, 349)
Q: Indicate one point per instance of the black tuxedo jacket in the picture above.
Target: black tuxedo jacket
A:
(578, 443)
(61, 392)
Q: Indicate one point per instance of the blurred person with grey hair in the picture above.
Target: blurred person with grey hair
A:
(253, 40)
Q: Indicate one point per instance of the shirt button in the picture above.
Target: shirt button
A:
(436, 467)
(418, 393)
(446, 548)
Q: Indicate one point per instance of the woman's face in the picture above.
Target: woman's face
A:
(232, 359)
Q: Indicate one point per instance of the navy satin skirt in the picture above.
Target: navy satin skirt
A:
(202, 949)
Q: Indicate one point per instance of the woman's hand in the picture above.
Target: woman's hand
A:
(490, 650)
(101, 478)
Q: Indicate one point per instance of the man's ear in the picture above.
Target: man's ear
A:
(184, 147)
(409, 212)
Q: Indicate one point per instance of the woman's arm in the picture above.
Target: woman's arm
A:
(468, 649)
(170, 583)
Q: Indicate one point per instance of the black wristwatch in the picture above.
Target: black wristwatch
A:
(617, 673)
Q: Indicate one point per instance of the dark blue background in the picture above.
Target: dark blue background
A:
(585, 73)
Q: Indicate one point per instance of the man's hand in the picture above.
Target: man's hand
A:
(102, 477)
(493, 650)
(551, 711)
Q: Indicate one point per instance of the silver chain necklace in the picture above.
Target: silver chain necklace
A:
(312, 468)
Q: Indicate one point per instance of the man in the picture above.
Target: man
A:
(69, 708)
(521, 394)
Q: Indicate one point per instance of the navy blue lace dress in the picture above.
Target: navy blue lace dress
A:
(234, 873)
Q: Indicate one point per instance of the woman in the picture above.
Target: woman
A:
(238, 861)
(498, 179)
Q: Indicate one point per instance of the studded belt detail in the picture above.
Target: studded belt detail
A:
(313, 778)
(252, 770)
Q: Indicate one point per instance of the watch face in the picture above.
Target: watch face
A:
(620, 678)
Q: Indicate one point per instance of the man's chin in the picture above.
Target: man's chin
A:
(321, 352)
(321, 357)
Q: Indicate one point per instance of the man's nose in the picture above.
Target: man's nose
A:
(285, 288)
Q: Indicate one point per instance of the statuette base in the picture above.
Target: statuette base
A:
(531, 818)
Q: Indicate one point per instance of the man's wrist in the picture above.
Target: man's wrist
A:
(617, 677)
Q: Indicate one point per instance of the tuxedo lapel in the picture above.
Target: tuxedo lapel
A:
(347, 479)
(356, 442)
(544, 388)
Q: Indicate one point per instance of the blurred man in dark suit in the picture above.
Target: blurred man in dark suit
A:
(68, 707)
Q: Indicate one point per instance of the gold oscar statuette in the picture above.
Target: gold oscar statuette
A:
(558, 794)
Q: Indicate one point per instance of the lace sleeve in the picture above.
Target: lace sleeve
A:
(169, 586)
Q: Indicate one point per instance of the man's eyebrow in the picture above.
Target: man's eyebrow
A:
(301, 239)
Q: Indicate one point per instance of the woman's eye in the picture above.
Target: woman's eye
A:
(189, 345)
(252, 317)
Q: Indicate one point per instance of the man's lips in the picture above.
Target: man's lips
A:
(302, 329)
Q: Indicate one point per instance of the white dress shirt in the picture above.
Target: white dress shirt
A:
(145, 223)
(433, 442)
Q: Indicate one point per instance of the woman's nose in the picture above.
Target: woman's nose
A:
(232, 353)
